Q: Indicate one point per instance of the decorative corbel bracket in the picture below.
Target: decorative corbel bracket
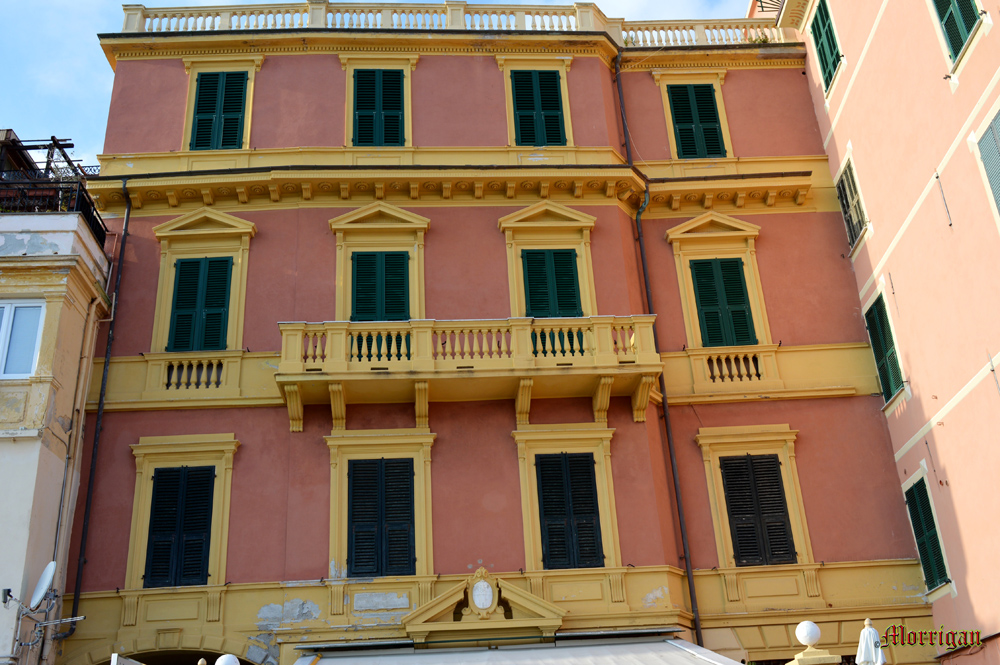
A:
(602, 399)
(293, 399)
(338, 406)
(522, 404)
(640, 397)
(421, 403)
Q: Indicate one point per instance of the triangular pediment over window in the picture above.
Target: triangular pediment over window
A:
(484, 608)
(546, 215)
(713, 225)
(379, 215)
(205, 223)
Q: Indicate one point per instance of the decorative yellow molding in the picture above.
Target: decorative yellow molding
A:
(601, 400)
(533, 440)
(710, 76)
(407, 62)
(199, 64)
(226, 62)
(153, 452)
(535, 62)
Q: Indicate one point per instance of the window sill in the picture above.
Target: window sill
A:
(983, 25)
(901, 395)
(866, 232)
(946, 588)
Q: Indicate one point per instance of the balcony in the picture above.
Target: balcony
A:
(341, 362)
(22, 192)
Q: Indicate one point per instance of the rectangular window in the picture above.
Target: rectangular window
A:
(381, 286)
(551, 284)
(925, 531)
(889, 374)
(825, 41)
(758, 514)
(20, 335)
(378, 107)
(723, 304)
(957, 20)
(380, 518)
(697, 128)
(567, 503)
(850, 204)
(180, 526)
(219, 105)
(989, 152)
(538, 112)
(200, 316)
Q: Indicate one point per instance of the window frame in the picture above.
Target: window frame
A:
(572, 534)
(551, 282)
(890, 398)
(153, 452)
(7, 308)
(378, 122)
(412, 443)
(695, 113)
(719, 442)
(194, 65)
(381, 547)
(594, 438)
(407, 62)
(708, 76)
(990, 123)
(198, 331)
(956, 63)
(759, 515)
(839, 56)
(380, 285)
(947, 586)
(539, 115)
(727, 321)
(556, 63)
(178, 532)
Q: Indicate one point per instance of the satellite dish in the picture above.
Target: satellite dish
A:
(42, 588)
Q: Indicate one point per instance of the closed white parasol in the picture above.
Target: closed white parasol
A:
(869, 646)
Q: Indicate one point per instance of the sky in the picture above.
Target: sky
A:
(57, 80)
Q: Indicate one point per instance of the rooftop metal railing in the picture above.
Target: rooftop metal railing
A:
(41, 196)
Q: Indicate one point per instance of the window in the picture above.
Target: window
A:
(758, 514)
(378, 107)
(200, 312)
(989, 152)
(380, 518)
(723, 304)
(220, 102)
(538, 112)
(567, 504)
(697, 127)
(180, 525)
(20, 336)
(850, 204)
(381, 286)
(957, 20)
(925, 531)
(825, 41)
(889, 374)
(551, 287)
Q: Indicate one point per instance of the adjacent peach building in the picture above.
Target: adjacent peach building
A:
(475, 325)
(907, 100)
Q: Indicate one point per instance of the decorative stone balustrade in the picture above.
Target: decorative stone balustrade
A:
(449, 16)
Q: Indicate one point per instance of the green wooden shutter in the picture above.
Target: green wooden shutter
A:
(180, 527)
(163, 522)
(525, 107)
(378, 107)
(538, 112)
(758, 512)
(850, 204)
(206, 106)
(551, 283)
(550, 117)
(231, 111)
(568, 511)
(536, 283)
(724, 313)
(200, 316)
(219, 110)
(773, 510)
(362, 517)
(734, 288)
(397, 526)
(215, 310)
(918, 504)
(825, 41)
(886, 361)
(186, 308)
(957, 20)
(395, 289)
(584, 508)
(697, 127)
(989, 152)
(365, 106)
(391, 110)
(196, 525)
(565, 283)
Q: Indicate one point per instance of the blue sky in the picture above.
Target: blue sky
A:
(58, 82)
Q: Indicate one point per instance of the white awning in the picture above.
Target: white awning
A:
(604, 652)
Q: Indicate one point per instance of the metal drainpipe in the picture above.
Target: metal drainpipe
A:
(100, 414)
(664, 412)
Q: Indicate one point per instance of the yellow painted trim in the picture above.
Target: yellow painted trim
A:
(715, 77)
(199, 64)
(717, 442)
(712, 236)
(536, 62)
(548, 225)
(379, 227)
(153, 452)
(381, 443)
(405, 61)
(592, 438)
(202, 233)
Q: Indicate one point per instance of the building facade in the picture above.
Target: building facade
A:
(53, 272)
(400, 290)
(922, 228)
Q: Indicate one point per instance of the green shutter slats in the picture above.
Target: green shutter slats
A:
(206, 102)
(185, 311)
(365, 106)
(397, 534)
(396, 291)
(568, 511)
(381, 286)
(551, 283)
(710, 306)
(565, 282)
(364, 280)
(216, 303)
(163, 519)
(886, 360)
(918, 504)
(777, 529)
(196, 525)
(957, 17)
(378, 107)
(737, 301)
(219, 111)
(362, 517)
(825, 41)
(586, 518)
(554, 511)
(758, 512)
(724, 312)
(737, 482)
(380, 518)
(536, 283)
(538, 112)
(392, 107)
(989, 152)
(180, 527)
(697, 126)
(233, 103)
(199, 319)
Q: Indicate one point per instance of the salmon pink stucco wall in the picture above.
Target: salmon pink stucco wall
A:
(458, 101)
(647, 120)
(280, 533)
(846, 471)
(148, 104)
(770, 113)
(298, 101)
(593, 104)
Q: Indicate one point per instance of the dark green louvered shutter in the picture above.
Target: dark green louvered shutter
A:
(957, 20)
(918, 504)
(219, 108)
(758, 513)
(364, 280)
(989, 151)
(886, 361)
(724, 312)
(378, 107)
(199, 319)
(365, 106)
(395, 286)
(381, 286)
(850, 204)
(392, 106)
(697, 127)
(180, 527)
(380, 518)
(568, 510)
(215, 312)
(538, 112)
(551, 283)
(185, 312)
(825, 41)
